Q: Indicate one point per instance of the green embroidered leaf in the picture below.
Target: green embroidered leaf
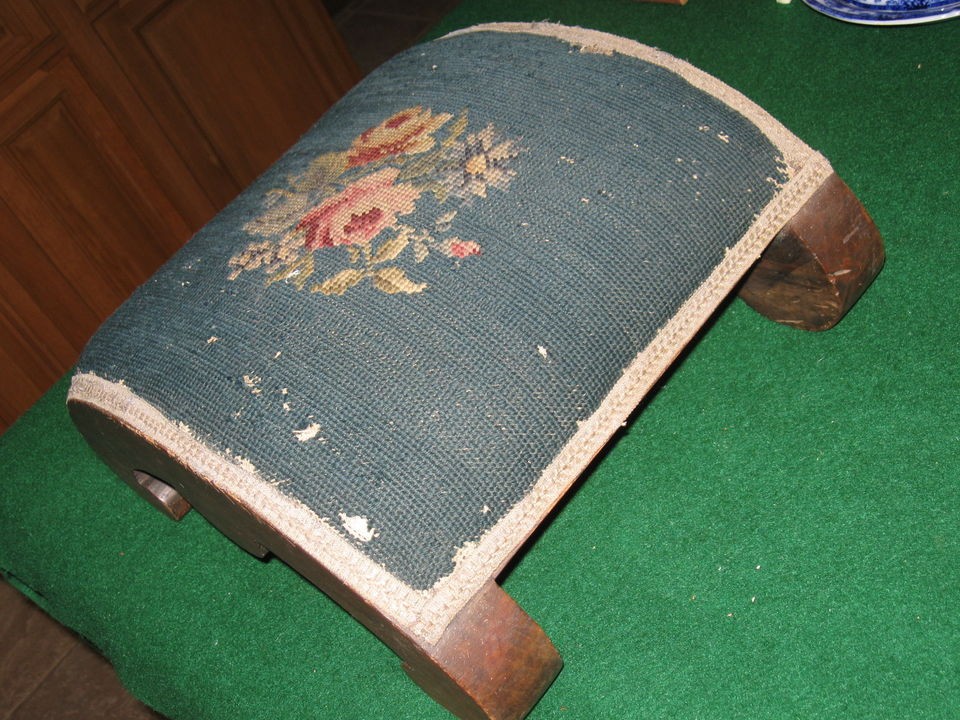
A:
(287, 209)
(390, 249)
(394, 280)
(439, 190)
(323, 171)
(419, 167)
(297, 272)
(339, 283)
(444, 222)
(456, 130)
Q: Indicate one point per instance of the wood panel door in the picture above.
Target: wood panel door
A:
(234, 82)
(123, 127)
(88, 223)
(23, 31)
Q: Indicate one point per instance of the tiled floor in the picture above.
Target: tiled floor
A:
(375, 30)
(46, 671)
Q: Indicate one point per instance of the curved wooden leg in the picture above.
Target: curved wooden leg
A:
(819, 264)
(160, 479)
(493, 662)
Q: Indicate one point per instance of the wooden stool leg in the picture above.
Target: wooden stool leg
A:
(493, 662)
(819, 264)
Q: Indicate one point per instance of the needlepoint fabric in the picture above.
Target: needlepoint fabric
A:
(405, 341)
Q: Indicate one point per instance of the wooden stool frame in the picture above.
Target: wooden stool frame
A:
(494, 662)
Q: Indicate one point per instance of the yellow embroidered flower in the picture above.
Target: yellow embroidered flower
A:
(480, 162)
(408, 132)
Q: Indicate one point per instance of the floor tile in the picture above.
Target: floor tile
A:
(33, 645)
(82, 686)
(372, 38)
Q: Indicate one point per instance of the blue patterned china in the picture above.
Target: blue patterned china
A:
(887, 12)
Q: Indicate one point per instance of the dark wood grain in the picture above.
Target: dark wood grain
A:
(82, 686)
(819, 264)
(492, 663)
(124, 127)
(71, 179)
(163, 497)
(202, 66)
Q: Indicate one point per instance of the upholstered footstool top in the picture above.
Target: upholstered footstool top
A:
(392, 355)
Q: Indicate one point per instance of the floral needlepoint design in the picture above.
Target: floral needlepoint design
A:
(360, 212)
(354, 202)
(407, 133)
(481, 162)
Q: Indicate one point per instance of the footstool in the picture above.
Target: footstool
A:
(391, 356)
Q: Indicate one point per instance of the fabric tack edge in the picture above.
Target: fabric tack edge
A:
(239, 480)
(793, 149)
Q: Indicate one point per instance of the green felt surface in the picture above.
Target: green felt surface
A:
(777, 534)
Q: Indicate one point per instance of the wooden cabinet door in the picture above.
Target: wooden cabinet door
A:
(70, 176)
(123, 127)
(233, 82)
(85, 222)
(23, 30)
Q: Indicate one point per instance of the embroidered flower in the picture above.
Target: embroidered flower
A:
(480, 162)
(355, 198)
(455, 247)
(253, 256)
(360, 212)
(409, 132)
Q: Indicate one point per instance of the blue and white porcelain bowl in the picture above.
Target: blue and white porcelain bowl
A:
(887, 12)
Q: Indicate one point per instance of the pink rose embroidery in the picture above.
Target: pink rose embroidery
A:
(357, 198)
(360, 212)
(463, 248)
(408, 132)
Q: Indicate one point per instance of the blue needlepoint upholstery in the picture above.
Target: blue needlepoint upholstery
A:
(416, 329)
